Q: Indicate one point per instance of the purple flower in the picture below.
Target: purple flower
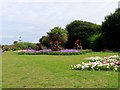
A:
(69, 50)
(49, 50)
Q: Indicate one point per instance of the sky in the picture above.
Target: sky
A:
(31, 19)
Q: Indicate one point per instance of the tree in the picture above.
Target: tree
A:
(40, 40)
(15, 42)
(58, 34)
(56, 37)
(81, 30)
(45, 41)
(111, 31)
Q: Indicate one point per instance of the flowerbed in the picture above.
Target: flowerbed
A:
(108, 59)
(99, 63)
(50, 52)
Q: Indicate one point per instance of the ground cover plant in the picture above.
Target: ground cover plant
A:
(48, 71)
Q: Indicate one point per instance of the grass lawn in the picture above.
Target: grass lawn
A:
(47, 71)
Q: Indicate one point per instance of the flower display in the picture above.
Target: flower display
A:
(99, 63)
(69, 50)
(109, 59)
(45, 50)
(93, 59)
(49, 50)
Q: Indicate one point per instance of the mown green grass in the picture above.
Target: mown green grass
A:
(47, 71)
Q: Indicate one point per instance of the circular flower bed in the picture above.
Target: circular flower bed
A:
(99, 63)
(50, 52)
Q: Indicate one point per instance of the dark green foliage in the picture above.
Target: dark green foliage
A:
(97, 43)
(81, 30)
(41, 38)
(111, 31)
(15, 42)
(54, 53)
(58, 34)
(45, 41)
(55, 34)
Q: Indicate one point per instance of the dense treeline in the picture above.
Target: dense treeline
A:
(92, 36)
(85, 32)
(111, 31)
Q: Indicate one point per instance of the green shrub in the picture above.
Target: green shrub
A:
(97, 43)
(25, 45)
(9, 48)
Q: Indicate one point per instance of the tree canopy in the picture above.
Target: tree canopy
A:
(58, 34)
(111, 30)
(55, 34)
(80, 30)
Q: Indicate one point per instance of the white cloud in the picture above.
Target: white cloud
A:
(32, 20)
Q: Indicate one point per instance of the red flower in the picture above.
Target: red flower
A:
(50, 42)
(60, 42)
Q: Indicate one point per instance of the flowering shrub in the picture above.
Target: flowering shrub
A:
(98, 63)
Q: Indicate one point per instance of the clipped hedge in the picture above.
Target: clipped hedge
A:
(54, 53)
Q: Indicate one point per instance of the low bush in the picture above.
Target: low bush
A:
(25, 45)
(9, 48)
(18, 46)
(96, 42)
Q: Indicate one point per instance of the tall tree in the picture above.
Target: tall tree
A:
(56, 35)
(111, 31)
(81, 30)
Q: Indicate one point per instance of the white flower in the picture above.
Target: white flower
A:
(116, 69)
(78, 65)
(107, 66)
(83, 67)
(98, 62)
(74, 66)
(116, 66)
(92, 67)
(111, 63)
(83, 63)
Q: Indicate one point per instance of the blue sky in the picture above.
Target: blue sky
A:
(31, 20)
